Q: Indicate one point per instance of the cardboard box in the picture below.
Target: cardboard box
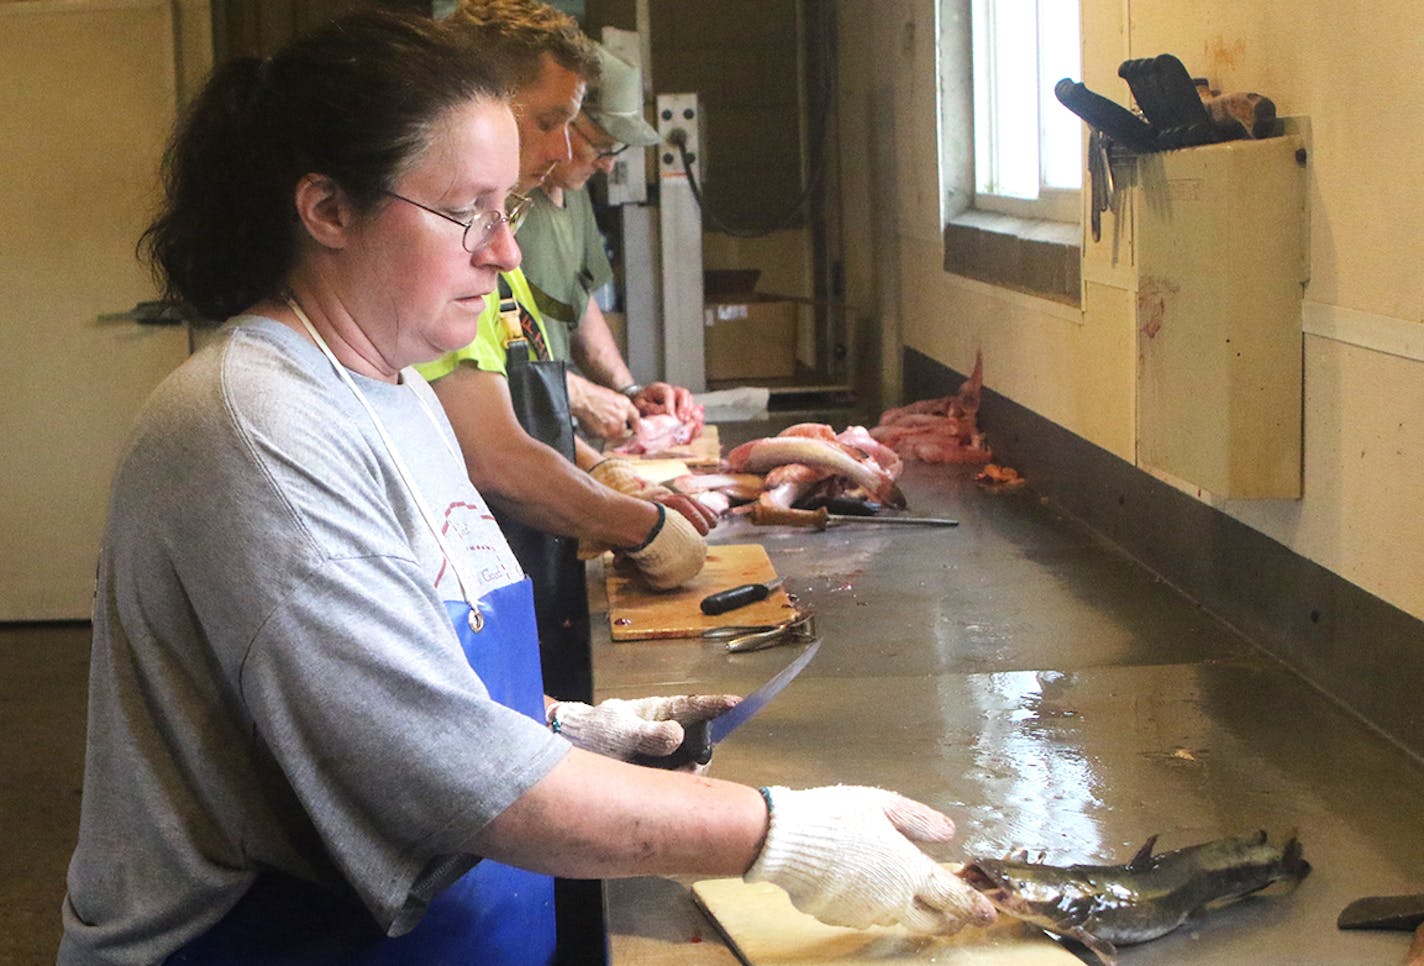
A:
(750, 336)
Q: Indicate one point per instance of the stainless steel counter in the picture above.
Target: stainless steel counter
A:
(1048, 693)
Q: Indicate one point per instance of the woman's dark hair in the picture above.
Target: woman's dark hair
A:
(356, 100)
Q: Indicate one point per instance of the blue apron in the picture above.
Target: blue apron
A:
(494, 914)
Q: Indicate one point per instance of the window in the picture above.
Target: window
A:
(1027, 146)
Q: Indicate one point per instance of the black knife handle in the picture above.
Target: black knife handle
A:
(696, 747)
(725, 600)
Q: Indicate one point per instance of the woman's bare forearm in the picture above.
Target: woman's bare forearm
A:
(595, 817)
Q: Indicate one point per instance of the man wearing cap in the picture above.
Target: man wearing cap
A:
(565, 261)
(506, 396)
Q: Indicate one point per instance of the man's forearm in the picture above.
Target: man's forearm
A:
(595, 351)
(532, 481)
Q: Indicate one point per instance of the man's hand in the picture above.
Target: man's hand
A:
(698, 515)
(619, 474)
(661, 397)
(601, 412)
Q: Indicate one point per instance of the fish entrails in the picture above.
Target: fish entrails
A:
(1099, 905)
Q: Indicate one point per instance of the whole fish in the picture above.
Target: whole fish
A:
(1099, 905)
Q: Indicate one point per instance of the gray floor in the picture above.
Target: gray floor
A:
(43, 689)
(1016, 672)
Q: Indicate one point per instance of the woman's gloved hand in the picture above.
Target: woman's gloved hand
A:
(642, 726)
(673, 553)
(846, 855)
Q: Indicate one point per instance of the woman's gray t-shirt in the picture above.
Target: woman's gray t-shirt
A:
(274, 682)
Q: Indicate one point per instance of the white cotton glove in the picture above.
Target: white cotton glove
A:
(673, 554)
(846, 855)
(622, 729)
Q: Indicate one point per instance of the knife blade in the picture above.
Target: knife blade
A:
(1383, 912)
(700, 737)
(740, 596)
(820, 519)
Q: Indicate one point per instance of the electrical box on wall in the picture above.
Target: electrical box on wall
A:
(1219, 258)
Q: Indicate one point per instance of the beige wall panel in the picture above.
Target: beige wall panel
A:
(94, 83)
(1343, 65)
(909, 53)
(1220, 234)
(1364, 473)
(1042, 355)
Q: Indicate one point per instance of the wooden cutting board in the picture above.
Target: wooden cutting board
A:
(636, 613)
(764, 929)
(705, 450)
(659, 471)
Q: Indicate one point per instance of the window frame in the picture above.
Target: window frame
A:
(1053, 203)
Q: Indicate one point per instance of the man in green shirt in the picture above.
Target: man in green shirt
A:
(565, 261)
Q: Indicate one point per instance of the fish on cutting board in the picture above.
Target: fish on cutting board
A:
(1103, 905)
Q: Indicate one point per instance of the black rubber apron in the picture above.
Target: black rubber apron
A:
(538, 388)
(539, 391)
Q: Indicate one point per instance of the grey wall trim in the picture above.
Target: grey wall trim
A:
(1358, 649)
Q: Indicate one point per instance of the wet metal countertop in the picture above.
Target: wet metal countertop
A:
(1050, 694)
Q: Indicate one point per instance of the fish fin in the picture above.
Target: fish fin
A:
(1143, 859)
(1101, 948)
(891, 496)
(1293, 859)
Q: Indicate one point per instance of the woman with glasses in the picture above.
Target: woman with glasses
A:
(316, 732)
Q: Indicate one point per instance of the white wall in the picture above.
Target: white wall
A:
(1362, 515)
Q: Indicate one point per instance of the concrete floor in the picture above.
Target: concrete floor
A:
(1015, 671)
(43, 696)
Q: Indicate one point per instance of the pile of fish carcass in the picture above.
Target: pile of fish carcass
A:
(800, 465)
(811, 463)
(942, 430)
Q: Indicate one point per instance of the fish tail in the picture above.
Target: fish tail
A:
(1100, 947)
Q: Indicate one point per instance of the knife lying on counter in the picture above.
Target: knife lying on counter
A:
(765, 516)
(739, 596)
(700, 737)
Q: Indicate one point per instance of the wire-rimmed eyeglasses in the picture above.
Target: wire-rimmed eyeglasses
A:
(480, 229)
(599, 152)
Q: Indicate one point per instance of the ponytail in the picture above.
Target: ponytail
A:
(355, 100)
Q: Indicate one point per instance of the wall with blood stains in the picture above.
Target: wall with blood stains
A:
(1351, 74)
